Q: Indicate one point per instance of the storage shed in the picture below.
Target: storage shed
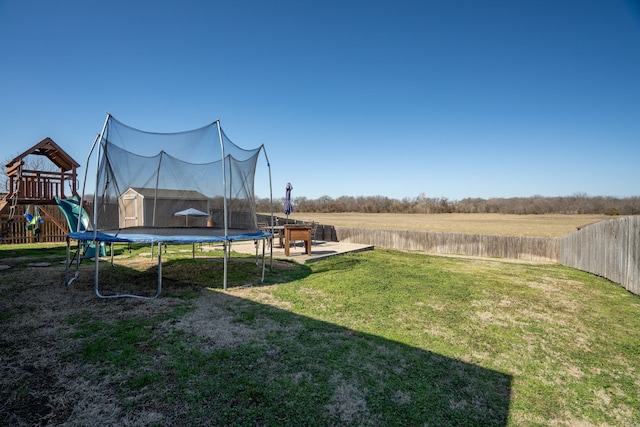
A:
(148, 207)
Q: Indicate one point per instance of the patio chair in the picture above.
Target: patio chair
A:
(314, 228)
(263, 226)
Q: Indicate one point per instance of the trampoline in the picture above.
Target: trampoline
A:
(168, 235)
(143, 178)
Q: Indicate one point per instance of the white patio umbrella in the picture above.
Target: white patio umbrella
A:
(190, 212)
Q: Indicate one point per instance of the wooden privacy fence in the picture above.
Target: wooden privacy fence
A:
(610, 249)
(53, 229)
(481, 245)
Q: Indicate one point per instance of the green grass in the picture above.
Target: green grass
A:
(567, 339)
(375, 338)
(402, 339)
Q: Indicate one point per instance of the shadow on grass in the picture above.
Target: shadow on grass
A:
(229, 360)
(296, 370)
(183, 276)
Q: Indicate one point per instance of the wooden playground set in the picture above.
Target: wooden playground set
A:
(29, 208)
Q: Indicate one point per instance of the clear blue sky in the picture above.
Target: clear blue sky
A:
(461, 98)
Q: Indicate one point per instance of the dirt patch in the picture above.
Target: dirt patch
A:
(348, 404)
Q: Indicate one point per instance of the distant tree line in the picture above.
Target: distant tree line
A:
(578, 203)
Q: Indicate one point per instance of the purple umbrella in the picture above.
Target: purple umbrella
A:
(287, 200)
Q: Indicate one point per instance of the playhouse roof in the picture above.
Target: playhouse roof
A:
(48, 148)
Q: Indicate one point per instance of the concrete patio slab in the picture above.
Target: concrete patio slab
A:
(319, 250)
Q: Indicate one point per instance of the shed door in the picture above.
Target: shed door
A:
(130, 205)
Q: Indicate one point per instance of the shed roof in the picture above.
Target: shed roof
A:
(169, 194)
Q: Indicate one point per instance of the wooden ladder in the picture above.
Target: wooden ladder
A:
(6, 229)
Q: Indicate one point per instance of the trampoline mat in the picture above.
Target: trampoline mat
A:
(169, 235)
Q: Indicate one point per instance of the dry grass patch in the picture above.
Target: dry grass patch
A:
(498, 224)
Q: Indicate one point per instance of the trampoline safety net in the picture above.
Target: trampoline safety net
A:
(196, 178)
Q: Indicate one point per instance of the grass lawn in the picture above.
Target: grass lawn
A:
(376, 338)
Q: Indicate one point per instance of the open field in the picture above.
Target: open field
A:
(380, 338)
(509, 225)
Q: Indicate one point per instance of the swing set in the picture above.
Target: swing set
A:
(32, 189)
(34, 221)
